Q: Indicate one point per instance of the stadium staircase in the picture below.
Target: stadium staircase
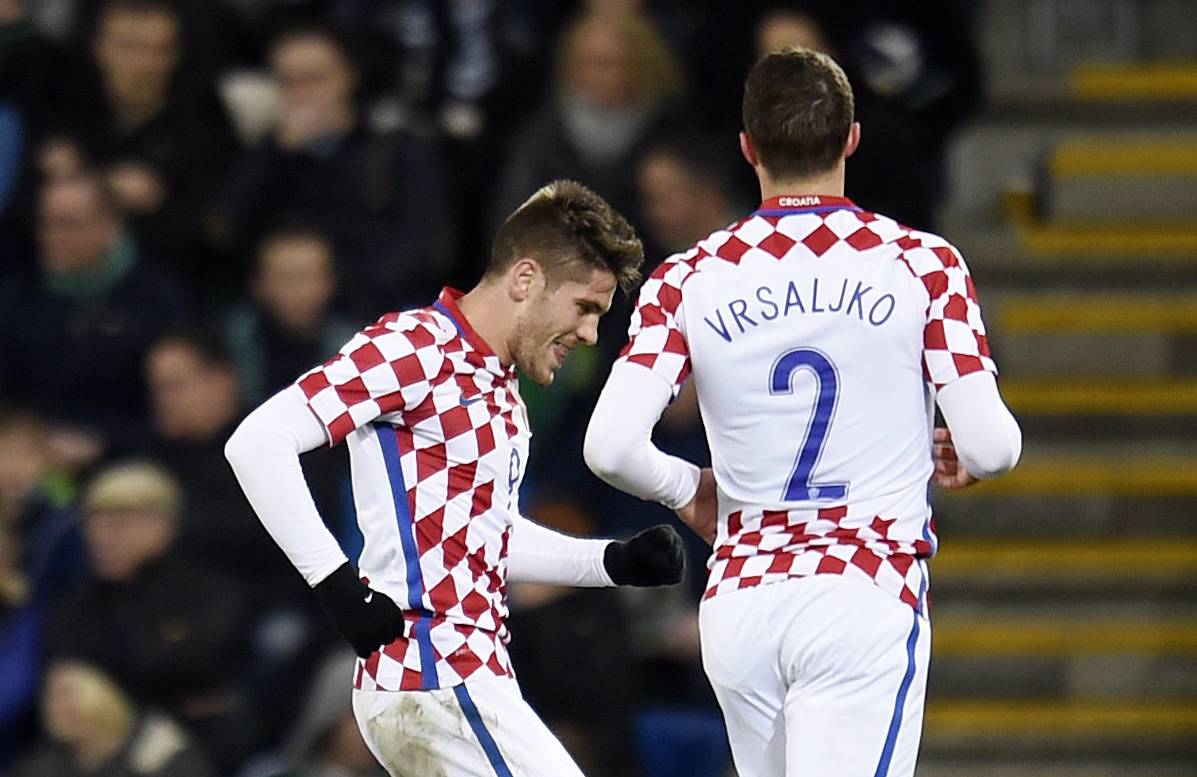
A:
(1065, 615)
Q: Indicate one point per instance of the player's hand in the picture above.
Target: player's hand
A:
(652, 557)
(367, 618)
(702, 514)
(949, 472)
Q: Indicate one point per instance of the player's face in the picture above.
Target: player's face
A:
(560, 315)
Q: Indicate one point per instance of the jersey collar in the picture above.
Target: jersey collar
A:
(790, 204)
(446, 304)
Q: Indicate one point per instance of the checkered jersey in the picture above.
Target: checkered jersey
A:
(817, 334)
(438, 436)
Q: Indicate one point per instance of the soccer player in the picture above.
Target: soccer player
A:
(818, 336)
(429, 403)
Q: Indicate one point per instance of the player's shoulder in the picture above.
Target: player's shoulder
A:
(420, 330)
(921, 251)
(700, 257)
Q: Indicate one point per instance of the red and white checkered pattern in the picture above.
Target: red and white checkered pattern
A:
(906, 323)
(774, 545)
(438, 438)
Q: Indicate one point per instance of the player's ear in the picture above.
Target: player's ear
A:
(522, 278)
(853, 141)
(747, 150)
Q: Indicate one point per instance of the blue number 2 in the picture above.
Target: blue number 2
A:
(800, 487)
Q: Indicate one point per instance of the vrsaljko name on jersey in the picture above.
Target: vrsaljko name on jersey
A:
(844, 296)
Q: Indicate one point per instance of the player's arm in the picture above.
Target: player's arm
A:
(264, 454)
(619, 447)
(652, 368)
(983, 439)
(379, 371)
(539, 554)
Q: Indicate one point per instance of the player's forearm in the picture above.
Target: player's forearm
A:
(619, 447)
(538, 554)
(988, 439)
(264, 453)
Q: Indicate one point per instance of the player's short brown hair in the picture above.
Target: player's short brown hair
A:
(798, 109)
(565, 225)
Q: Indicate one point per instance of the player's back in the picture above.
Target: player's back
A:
(812, 328)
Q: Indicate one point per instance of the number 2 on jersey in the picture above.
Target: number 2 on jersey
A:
(800, 487)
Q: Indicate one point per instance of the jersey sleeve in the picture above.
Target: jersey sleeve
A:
(656, 339)
(954, 340)
(379, 371)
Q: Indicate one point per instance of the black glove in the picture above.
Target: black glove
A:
(367, 618)
(652, 557)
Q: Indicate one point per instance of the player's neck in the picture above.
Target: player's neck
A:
(830, 184)
(488, 311)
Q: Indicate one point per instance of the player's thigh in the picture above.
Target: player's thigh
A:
(480, 729)
(522, 743)
(857, 708)
(740, 656)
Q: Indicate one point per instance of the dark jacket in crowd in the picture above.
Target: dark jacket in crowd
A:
(382, 200)
(219, 529)
(173, 633)
(73, 352)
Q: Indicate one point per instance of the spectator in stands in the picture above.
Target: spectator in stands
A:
(287, 326)
(72, 333)
(34, 76)
(92, 727)
(688, 188)
(40, 555)
(616, 83)
(195, 403)
(381, 198)
(169, 631)
(164, 143)
(916, 75)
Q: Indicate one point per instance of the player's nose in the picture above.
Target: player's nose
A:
(587, 331)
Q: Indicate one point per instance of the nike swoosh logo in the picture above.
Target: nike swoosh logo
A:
(467, 402)
(369, 597)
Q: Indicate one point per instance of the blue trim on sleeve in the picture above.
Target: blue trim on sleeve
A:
(484, 738)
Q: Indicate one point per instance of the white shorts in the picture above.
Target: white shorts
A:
(483, 728)
(820, 676)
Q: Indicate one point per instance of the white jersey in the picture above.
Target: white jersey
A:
(817, 334)
(438, 439)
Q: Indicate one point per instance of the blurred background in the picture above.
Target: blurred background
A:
(199, 200)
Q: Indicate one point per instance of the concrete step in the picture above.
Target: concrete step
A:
(1059, 567)
(1080, 516)
(1101, 396)
(998, 258)
(1076, 678)
(1121, 180)
(1081, 474)
(931, 767)
(1122, 242)
(1061, 635)
(1126, 726)
(965, 766)
(1083, 313)
(1101, 355)
(1171, 82)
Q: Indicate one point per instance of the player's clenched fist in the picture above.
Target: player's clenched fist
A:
(949, 470)
(367, 618)
(652, 557)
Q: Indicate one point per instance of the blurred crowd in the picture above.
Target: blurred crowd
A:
(201, 199)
